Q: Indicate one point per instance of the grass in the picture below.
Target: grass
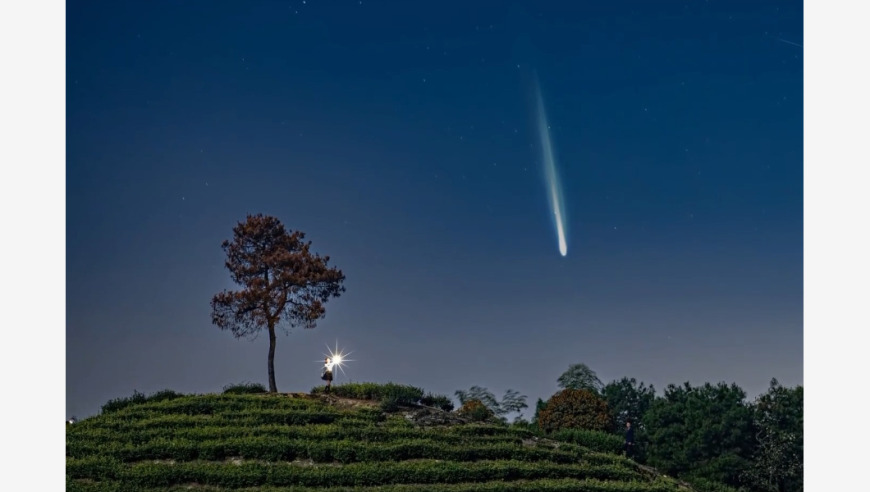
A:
(253, 441)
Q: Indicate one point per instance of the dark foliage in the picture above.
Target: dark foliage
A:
(539, 406)
(438, 401)
(628, 400)
(779, 422)
(244, 389)
(704, 432)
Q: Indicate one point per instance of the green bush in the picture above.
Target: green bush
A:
(438, 401)
(402, 394)
(389, 405)
(244, 389)
(121, 403)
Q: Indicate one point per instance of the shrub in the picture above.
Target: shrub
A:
(575, 409)
(244, 389)
(476, 411)
(438, 401)
(121, 403)
(401, 394)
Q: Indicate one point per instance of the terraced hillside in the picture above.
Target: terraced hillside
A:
(306, 443)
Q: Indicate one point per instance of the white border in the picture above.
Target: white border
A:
(32, 243)
(33, 200)
(835, 243)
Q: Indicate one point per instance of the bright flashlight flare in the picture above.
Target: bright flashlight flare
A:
(337, 357)
(554, 188)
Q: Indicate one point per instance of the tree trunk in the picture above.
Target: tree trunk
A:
(272, 387)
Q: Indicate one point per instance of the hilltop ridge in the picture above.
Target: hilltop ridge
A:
(318, 442)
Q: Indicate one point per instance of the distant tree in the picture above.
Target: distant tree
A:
(475, 410)
(479, 393)
(580, 376)
(511, 402)
(575, 409)
(539, 405)
(282, 283)
(519, 421)
(702, 432)
(628, 400)
(777, 465)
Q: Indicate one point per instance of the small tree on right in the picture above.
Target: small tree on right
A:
(575, 409)
(777, 465)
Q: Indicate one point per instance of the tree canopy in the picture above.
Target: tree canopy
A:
(779, 421)
(705, 430)
(282, 283)
(628, 400)
(580, 376)
(575, 409)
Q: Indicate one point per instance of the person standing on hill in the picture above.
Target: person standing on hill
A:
(327, 373)
(629, 439)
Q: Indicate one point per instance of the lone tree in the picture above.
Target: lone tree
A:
(282, 283)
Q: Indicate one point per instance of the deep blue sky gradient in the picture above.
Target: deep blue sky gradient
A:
(400, 137)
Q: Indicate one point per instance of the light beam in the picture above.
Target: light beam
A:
(551, 176)
(337, 357)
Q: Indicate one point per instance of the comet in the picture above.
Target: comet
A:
(551, 175)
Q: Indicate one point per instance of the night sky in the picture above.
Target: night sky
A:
(402, 138)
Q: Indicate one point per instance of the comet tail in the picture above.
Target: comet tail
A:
(551, 176)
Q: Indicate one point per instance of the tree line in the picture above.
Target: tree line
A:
(710, 435)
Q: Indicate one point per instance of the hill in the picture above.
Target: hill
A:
(320, 442)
